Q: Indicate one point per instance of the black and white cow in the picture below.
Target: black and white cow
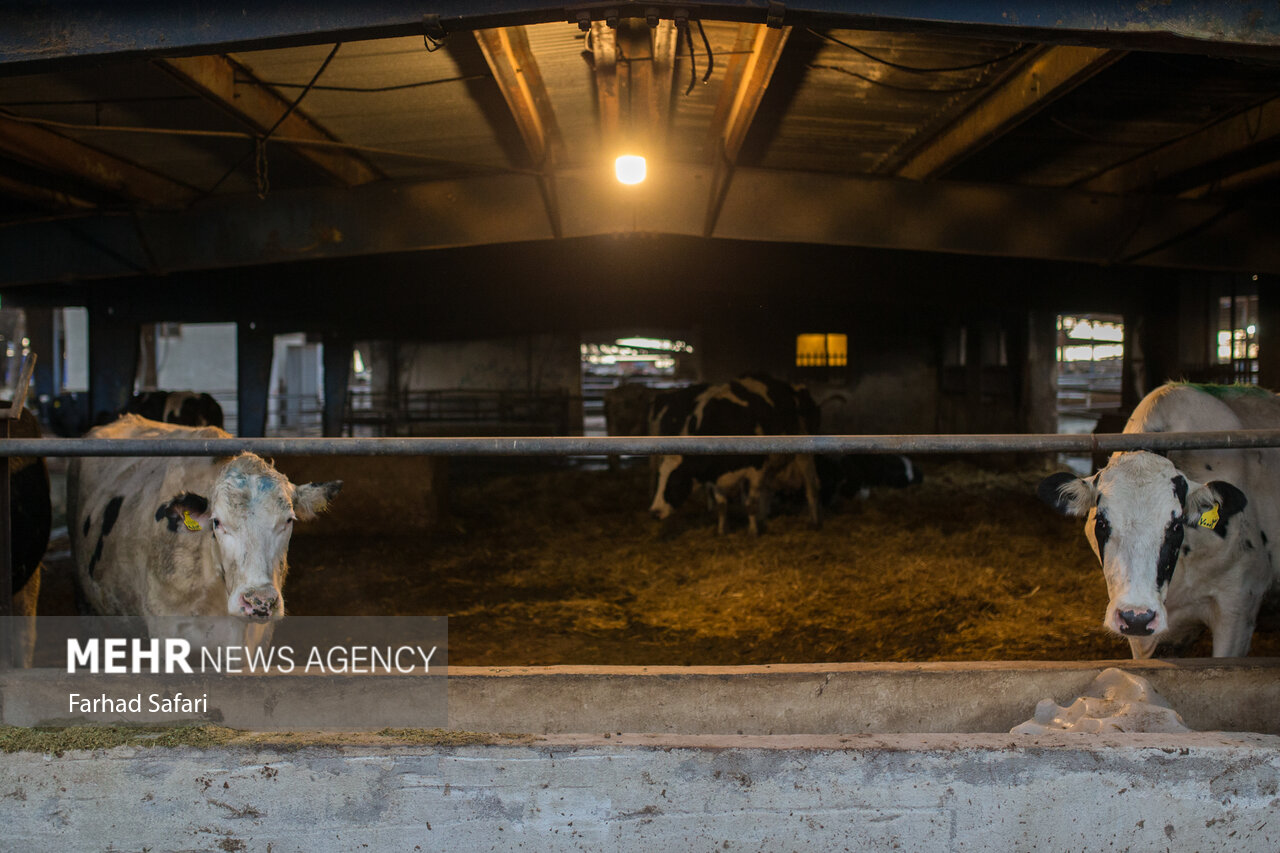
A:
(1184, 541)
(855, 474)
(750, 405)
(190, 547)
(30, 520)
(626, 411)
(176, 407)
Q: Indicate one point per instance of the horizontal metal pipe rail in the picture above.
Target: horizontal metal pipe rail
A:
(641, 445)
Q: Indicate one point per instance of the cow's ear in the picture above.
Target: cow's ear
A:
(312, 498)
(187, 511)
(1213, 504)
(1067, 493)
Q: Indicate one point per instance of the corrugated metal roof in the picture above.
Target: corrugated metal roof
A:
(417, 111)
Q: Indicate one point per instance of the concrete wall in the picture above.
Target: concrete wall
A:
(789, 699)
(925, 793)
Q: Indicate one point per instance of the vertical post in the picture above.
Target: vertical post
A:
(254, 349)
(40, 331)
(337, 370)
(113, 361)
(7, 417)
(1269, 332)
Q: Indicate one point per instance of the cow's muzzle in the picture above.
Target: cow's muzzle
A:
(1136, 623)
(259, 605)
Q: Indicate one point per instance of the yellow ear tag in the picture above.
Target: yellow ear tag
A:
(1209, 519)
(190, 522)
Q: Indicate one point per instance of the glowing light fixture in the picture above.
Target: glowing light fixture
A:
(629, 168)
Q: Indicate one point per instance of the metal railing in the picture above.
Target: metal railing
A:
(643, 445)
(7, 417)
(577, 446)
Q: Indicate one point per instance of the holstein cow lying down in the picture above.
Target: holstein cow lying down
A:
(186, 547)
(854, 474)
(1184, 542)
(30, 519)
(750, 405)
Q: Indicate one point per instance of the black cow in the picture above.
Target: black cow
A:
(30, 519)
(749, 405)
(854, 474)
(177, 407)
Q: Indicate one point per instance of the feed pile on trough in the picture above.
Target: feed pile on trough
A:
(564, 566)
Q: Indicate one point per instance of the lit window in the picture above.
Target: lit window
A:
(816, 350)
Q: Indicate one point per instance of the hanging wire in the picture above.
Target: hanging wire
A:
(711, 57)
(259, 149)
(915, 70)
(942, 90)
(260, 179)
(693, 62)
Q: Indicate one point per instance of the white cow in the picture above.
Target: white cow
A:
(190, 547)
(1184, 541)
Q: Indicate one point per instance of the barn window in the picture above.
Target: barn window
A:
(1237, 336)
(822, 350)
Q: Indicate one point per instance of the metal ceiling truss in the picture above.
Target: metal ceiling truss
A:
(799, 207)
(42, 196)
(43, 148)
(36, 31)
(515, 70)
(232, 87)
(1244, 130)
(1045, 75)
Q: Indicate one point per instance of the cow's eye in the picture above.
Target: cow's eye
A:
(216, 524)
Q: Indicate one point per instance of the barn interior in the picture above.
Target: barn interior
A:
(428, 205)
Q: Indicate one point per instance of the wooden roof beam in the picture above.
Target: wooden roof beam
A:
(1047, 74)
(234, 88)
(62, 155)
(1255, 126)
(515, 69)
(604, 56)
(635, 103)
(751, 66)
(42, 196)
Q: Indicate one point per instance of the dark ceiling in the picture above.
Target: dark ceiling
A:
(1077, 147)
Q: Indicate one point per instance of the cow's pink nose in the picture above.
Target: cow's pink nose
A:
(259, 603)
(1136, 623)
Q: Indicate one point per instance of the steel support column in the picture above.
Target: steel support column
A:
(113, 360)
(254, 350)
(337, 367)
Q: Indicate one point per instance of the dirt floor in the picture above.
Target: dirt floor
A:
(564, 566)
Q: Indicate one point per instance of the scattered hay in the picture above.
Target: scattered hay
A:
(564, 566)
(56, 741)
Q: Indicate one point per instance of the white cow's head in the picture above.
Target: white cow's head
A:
(249, 518)
(1138, 510)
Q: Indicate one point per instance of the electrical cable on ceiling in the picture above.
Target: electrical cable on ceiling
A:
(258, 151)
(241, 134)
(912, 69)
(1084, 134)
(693, 62)
(711, 57)
(941, 90)
(364, 89)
